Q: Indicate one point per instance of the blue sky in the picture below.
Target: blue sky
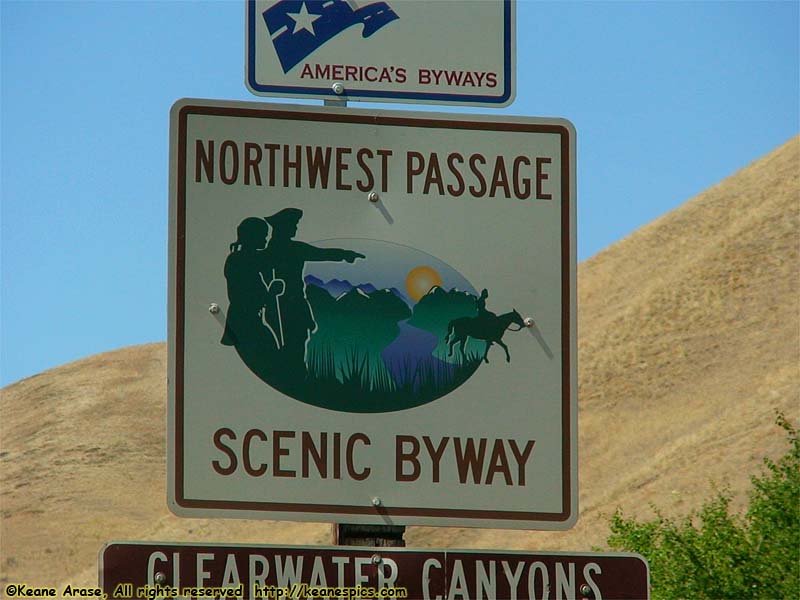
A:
(668, 98)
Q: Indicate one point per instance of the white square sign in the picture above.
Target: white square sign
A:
(443, 52)
(372, 316)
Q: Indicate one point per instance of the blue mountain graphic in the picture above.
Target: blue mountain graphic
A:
(337, 287)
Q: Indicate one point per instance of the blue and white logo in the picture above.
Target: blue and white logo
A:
(298, 27)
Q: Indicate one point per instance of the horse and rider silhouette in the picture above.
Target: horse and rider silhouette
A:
(486, 326)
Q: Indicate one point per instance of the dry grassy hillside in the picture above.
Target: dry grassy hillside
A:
(689, 340)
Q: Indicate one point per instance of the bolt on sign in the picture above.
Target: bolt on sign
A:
(372, 316)
(396, 50)
(143, 570)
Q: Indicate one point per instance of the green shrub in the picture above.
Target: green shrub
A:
(712, 553)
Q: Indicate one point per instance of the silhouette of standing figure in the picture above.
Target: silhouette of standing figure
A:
(288, 258)
(249, 294)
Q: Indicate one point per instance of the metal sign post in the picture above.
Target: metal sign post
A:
(379, 536)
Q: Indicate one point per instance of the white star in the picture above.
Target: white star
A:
(303, 19)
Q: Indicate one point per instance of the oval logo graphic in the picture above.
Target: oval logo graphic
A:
(354, 325)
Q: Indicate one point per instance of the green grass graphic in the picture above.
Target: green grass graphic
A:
(360, 382)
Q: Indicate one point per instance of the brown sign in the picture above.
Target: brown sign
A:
(147, 570)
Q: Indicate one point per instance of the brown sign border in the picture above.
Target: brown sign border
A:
(375, 119)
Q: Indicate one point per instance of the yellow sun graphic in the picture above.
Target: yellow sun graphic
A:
(420, 280)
